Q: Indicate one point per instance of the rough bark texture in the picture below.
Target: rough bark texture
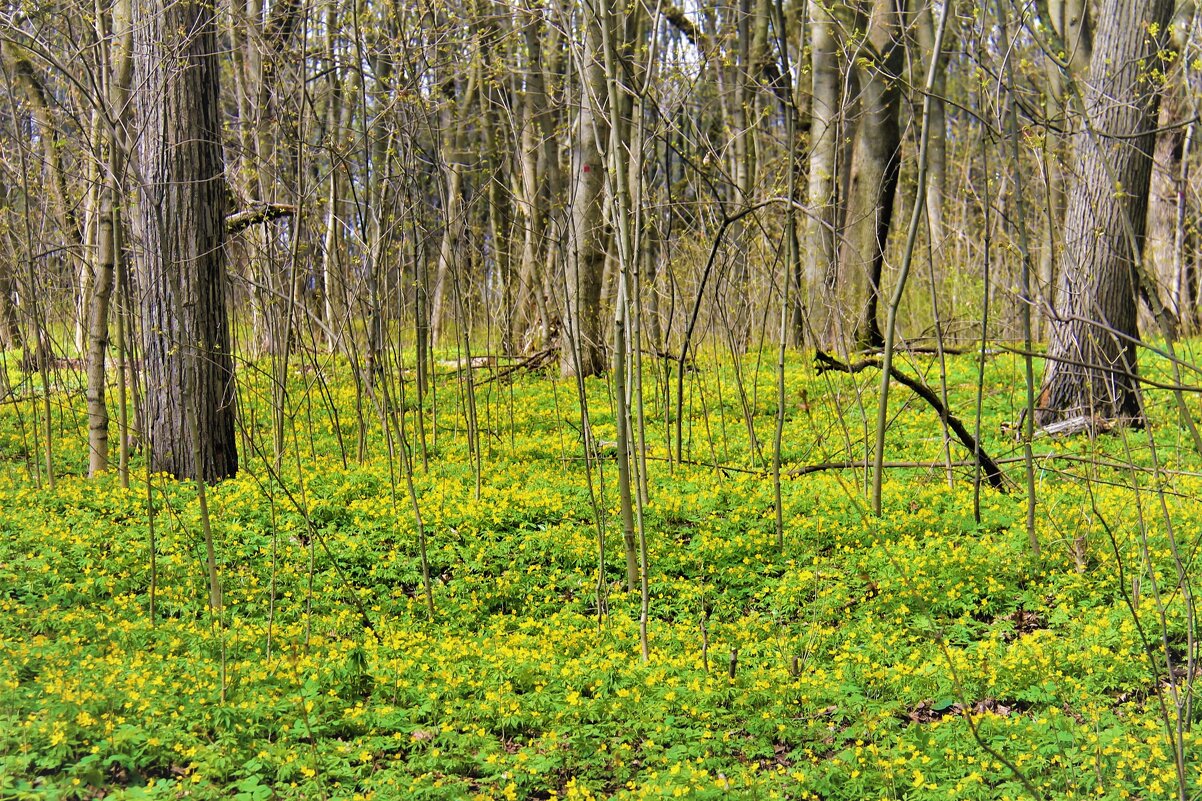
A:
(1091, 365)
(875, 168)
(1070, 19)
(185, 326)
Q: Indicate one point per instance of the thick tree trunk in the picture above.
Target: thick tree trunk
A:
(185, 327)
(1091, 367)
(875, 168)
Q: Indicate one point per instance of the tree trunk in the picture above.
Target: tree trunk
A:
(339, 112)
(1071, 21)
(740, 113)
(189, 371)
(455, 119)
(1168, 191)
(10, 320)
(875, 168)
(116, 65)
(937, 144)
(98, 335)
(587, 243)
(821, 261)
(1091, 368)
(10, 324)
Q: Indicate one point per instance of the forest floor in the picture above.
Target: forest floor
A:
(924, 654)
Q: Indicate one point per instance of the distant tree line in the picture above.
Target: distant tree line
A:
(180, 183)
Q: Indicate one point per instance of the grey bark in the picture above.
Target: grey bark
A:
(1091, 366)
(117, 69)
(455, 117)
(587, 236)
(185, 328)
(10, 328)
(821, 229)
(1163, 256)
(98, 335)
(539, 176)
(937, 146)
(1070, 20)
(875, 168)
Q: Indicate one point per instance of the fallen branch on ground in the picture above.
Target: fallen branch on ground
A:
(534, 361)
(993, 473)
(1082, 424)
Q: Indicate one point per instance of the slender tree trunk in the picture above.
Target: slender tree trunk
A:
(531, 206)
(452, 239)
(585, 261)
(98, 336)
(1165, 194)
(1071, 22)
(937, 146)
(10, 321)
(821, 228)
(116, 67)
(541, 182)
(339, 114)
(10, 324)
(741, 119)
(454, 124)
(53, 146)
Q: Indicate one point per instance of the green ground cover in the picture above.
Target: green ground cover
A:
(921, 655)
